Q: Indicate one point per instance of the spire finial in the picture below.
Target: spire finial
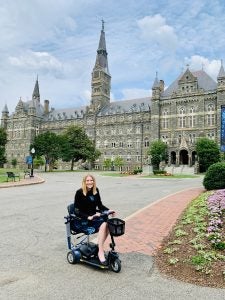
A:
(103, 23)
(221, 62)
(156, 74)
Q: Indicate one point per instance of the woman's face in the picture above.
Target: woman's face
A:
(89, 182)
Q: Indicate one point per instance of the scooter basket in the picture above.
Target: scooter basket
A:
(116, 226)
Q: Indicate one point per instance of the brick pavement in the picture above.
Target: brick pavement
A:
(146, 228)
(27, 181)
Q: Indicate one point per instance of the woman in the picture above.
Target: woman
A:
(88, 206)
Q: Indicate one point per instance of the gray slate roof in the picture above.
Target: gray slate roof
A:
(126, 106)
(204, 81)
(64, 114)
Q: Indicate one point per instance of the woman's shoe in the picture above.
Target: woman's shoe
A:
(104, 262)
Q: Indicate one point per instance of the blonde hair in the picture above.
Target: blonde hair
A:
(84, 186)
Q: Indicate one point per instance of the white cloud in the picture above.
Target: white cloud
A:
(155, 29)
(197, 62)
(39, 61)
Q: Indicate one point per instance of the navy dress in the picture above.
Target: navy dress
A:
(86, 206)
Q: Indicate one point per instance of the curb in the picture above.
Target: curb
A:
(23, 182)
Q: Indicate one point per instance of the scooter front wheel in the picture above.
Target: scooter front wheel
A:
(115, 265)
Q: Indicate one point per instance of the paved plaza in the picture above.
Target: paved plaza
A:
(33, 240)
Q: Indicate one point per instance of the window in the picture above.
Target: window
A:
(138, 143)
(210, 117)
(129, 143)
(146, 142)
(181, 118)
(191, 138)
(211, 136)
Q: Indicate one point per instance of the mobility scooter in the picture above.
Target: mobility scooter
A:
(82, 250)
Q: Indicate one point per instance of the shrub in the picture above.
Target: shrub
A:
(159, 172)
(215, 177)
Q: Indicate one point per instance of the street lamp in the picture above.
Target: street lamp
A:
(32, 165)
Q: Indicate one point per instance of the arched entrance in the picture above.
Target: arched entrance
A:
(183, 157)
(173, 158)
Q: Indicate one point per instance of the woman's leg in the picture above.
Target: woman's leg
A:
(102, 236)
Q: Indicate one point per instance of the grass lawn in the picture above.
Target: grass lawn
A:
(3, 175)
(176, 176)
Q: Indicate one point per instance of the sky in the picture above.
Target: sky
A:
(57, 41)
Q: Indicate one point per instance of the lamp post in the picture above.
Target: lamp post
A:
(32, 165)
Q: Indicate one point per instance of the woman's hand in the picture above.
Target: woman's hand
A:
(90, 218)
(111, 212)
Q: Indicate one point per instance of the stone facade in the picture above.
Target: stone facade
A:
(188, 109)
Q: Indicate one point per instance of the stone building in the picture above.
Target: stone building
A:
(188, 109)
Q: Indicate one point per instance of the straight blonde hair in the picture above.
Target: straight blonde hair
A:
(84, 186)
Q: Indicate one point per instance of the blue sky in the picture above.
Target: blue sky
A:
(57, 40)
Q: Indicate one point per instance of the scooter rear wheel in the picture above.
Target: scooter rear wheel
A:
(115, 265)
(72, 257)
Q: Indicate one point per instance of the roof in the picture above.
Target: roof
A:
(64, 114)
(126, 106)
(205, 82)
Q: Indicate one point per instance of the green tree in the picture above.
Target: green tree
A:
(208, 153)
(39, 161)
(107, 163)
(76, 146)
(3, 141)
(118, 161)
(14, 162)
(158, 152)
(48, 144)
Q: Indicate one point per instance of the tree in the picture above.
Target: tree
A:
(39, 161)
(208, 153)
(107, 163)
(14, 162)
(48, 144)
(76, 146)
(118, 161)
(158, 152)
(3, 141)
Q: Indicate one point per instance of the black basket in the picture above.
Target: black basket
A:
(116, 226)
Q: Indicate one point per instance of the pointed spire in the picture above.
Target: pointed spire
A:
(36, 94)
(156, 82)
(5, 109)
(101, 58)
(221, 71)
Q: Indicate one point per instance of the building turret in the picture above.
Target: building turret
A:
(221, 77)
(101, 79)
(155, 108)
(5, 117)
(36, 93)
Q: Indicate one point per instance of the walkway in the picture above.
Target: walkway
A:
(146, 228)
(22, 182)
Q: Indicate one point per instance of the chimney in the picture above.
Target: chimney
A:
(161, 85)
(46, 106)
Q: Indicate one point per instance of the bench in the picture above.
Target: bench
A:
(26, 173)
(11, 175)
